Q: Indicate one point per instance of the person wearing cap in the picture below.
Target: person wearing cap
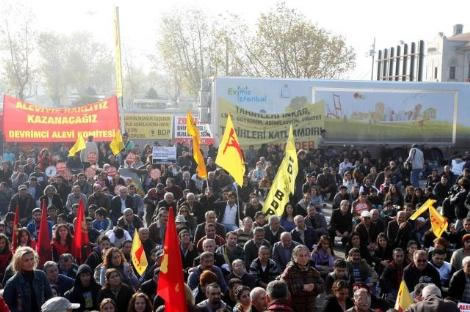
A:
(59, 304)
(432, 301)
(367, 230)
(28, 289)
(85, 290)
(25, 203)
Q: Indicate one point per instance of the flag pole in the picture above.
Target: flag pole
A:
(118, 65)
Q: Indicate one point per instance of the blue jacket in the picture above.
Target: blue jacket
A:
(64, 283)
(17, 292)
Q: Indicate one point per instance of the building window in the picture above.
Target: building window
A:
(435, 72)
(452, 72)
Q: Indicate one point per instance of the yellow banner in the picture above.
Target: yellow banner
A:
(438, 222)
(117, 51)
(256, 128)
(284, 182)
(145, 126)
(422, 209)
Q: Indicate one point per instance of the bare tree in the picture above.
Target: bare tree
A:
(18, 46)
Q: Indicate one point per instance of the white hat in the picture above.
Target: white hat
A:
(58, 304)
(180, 219)
(365, 214)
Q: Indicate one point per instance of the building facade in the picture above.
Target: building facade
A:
(448, 58)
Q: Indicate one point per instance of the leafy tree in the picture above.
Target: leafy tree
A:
(284, 44)
(288, 45)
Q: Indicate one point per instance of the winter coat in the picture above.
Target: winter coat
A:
(17, 292)
(86, 296)
(296, 278)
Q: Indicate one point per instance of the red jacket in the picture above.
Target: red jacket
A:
(279, 305)
(3, 305)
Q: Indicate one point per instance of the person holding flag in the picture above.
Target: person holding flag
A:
(43, 245)
(404, 299)
(193, 131)
(138, 256)
(117, 144)
(80, 238)
(170, 281)
(89, 151)
(284, 183)
(230, 155)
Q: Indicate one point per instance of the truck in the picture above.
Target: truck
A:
(368, 114)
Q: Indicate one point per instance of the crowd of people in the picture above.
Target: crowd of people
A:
(235, 258)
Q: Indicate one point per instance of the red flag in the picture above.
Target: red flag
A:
(170, 279)
(81, 233)
(14, 233)
(43, 246)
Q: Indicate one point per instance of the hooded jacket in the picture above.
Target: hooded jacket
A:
(86, 296)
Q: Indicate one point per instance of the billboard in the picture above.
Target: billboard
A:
(392, 116)
(263, 109)
(26, 122)
(148, 126)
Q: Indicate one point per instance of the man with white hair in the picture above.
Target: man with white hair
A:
(433, 302)
(459, 286)
(258, 299)
(120, 202)
(273, 230)
(282, 250)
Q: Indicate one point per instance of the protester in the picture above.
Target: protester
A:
(28, 289)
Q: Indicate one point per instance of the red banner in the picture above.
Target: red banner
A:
(25, 122)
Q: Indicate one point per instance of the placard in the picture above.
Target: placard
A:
(164, 154)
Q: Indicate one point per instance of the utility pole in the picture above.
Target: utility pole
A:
(372, 54)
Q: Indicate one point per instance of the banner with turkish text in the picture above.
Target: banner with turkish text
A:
(26, 122)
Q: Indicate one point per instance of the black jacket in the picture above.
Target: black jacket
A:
(122, 299)
(116, 207)
(82, 295)
(413, 276)
(400, 237)
(457, 285)
(220, 211)
(340, 222)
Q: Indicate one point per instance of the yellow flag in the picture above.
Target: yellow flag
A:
(438, 222)
(192, 130)
(78, 146)
(284, 182)
(117, 52)
(138, 257)
(422, 209)
(230, 154)
(116, 145)
(404, 299)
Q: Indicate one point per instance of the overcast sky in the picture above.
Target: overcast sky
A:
(358, 21)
